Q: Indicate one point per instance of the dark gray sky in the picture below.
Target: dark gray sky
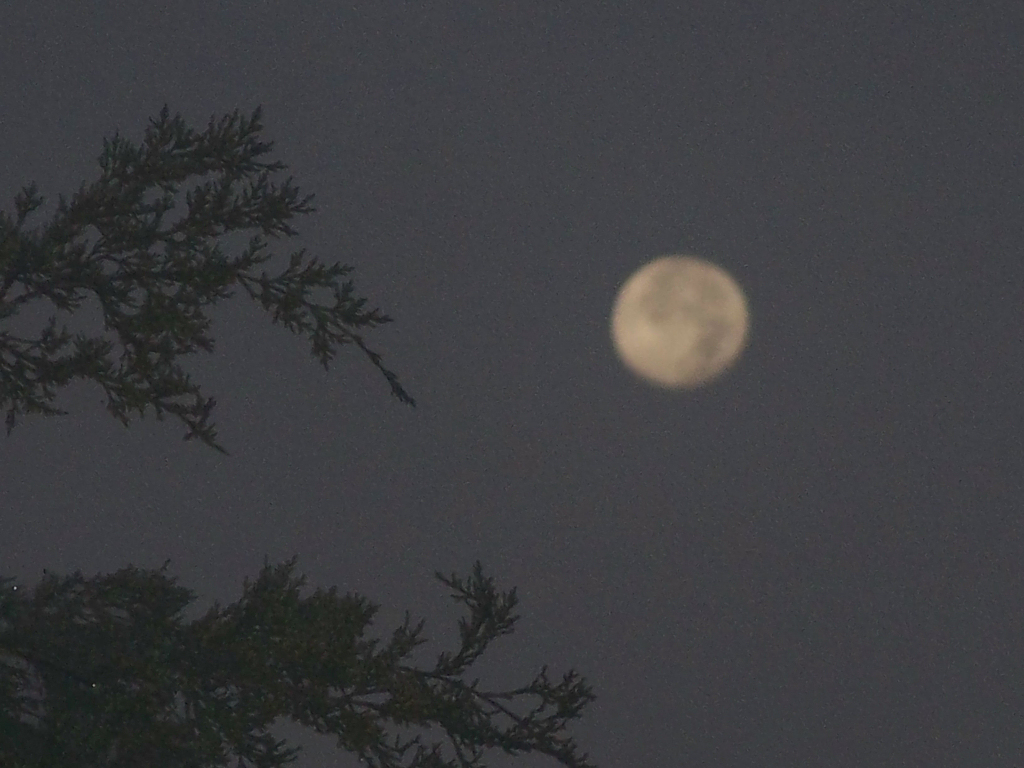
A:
(816, 561)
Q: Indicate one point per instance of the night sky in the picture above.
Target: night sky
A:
(817, 560)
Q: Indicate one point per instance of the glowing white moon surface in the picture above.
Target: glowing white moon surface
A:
(679, 322)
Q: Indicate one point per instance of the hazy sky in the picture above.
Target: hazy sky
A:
(816, 561)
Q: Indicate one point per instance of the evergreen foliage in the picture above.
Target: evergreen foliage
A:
(105, 671)
(153, 277)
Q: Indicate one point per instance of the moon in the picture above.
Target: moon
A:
(679, 322)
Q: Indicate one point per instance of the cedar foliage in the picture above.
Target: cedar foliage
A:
(153, 278)
(105, 671)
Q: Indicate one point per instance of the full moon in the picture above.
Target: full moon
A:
(679, 322)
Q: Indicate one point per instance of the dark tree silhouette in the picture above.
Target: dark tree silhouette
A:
(105, 671)
(154, 277)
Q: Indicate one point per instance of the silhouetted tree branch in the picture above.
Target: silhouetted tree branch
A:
(105, 672)
(153, 277)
